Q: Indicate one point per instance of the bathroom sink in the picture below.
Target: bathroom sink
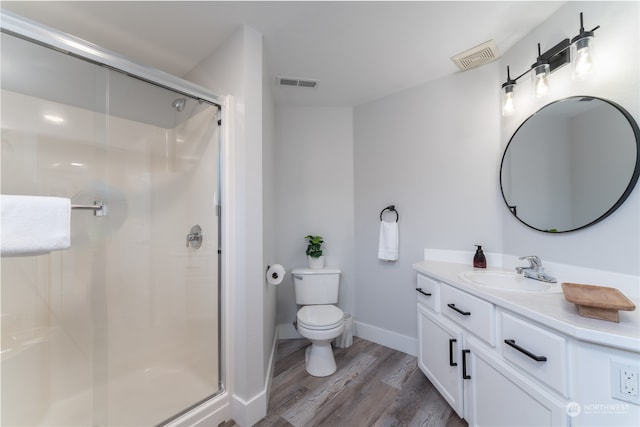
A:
(508, 281)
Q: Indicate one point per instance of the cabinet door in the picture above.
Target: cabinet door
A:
(497, 395)
(440, 343)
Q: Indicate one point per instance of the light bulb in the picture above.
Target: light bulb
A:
(508, 92)
(508, 106)
(541, 86)
(540, 79)
(582, 58)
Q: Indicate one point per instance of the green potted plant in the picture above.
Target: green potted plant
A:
(314, 251)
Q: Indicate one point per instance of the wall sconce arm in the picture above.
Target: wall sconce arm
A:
(557, 56)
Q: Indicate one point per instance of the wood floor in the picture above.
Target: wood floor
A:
(373, 386)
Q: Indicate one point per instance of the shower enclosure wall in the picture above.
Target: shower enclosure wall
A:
(123, 327)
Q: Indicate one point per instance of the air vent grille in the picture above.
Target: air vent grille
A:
(290, 81)
(477, 56)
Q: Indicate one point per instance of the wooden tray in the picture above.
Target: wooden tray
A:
(598, 302)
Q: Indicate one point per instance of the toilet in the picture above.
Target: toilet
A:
(318, 320)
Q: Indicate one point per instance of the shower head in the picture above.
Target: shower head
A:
(179, 104)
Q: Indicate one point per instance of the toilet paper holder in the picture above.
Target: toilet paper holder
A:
(275, 274)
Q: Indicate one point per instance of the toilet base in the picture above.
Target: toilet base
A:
(319, 359)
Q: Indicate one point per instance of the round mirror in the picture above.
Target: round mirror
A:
(571, 164)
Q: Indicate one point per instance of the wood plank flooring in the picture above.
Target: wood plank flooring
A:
(373, 386)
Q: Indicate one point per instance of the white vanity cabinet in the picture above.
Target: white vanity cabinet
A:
(539, 353)
(496, 394)
(489, 383)
(472, 313)
(439, 356)
(522, 358)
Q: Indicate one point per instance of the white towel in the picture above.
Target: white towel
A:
(33, 225)
(388, 243)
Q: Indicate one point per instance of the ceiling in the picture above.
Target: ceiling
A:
(358, 50)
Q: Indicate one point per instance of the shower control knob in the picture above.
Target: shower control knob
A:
(194, 238)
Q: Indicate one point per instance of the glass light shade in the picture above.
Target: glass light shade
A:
(540, 79)
(508, 94)
(582, 57)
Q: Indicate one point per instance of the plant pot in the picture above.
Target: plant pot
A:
(316, 263)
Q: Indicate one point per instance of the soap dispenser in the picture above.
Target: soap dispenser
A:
(479, 261)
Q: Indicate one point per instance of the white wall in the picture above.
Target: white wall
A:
(269, 207)
(434, 152)
(314, 181)
(236, 69)
(613, 244)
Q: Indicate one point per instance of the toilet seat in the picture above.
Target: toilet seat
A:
(320, 317)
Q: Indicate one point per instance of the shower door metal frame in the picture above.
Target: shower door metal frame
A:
(33, 31)
(43, 35)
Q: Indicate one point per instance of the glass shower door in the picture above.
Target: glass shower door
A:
(122, 328)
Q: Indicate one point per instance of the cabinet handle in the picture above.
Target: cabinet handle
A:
(451, 362)
(512, 343)
(453, 307)
(464, 365)
(423, 292)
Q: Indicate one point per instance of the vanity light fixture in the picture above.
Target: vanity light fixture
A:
(508, 93)
(578, 48)
(582, 52)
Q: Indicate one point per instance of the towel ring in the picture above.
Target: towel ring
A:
(390, 208)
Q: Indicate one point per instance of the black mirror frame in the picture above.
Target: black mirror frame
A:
(625, 194)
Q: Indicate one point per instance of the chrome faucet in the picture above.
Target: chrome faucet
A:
(535, 270)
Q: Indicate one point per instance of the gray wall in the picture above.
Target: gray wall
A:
(433, 151)
(314, 193)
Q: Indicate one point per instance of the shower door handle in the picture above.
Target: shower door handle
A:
(194, 238)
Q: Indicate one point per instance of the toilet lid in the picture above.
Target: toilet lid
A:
(320, 316)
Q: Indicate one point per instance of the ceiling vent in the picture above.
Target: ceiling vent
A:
(477, 56)
(291, 81)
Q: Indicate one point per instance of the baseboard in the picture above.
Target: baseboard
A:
(247, 413)
(387, 338)
(377, 335)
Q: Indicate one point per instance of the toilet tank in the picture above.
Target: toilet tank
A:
(316, 286)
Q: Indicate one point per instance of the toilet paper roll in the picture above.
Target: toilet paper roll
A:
(275, 274)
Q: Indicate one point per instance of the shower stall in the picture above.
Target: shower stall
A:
(123, 327)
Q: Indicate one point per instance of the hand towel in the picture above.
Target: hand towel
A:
(33, 225)
(388, 242)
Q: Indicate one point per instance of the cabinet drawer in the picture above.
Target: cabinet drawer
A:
(428, 291)
(474, 314)
(538, 352)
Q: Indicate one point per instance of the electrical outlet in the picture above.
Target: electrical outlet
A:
(624, 382)
(629, 381)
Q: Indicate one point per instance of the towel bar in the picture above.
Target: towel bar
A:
(98, 208)
(390, 208)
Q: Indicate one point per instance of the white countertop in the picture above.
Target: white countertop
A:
(548, 309)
